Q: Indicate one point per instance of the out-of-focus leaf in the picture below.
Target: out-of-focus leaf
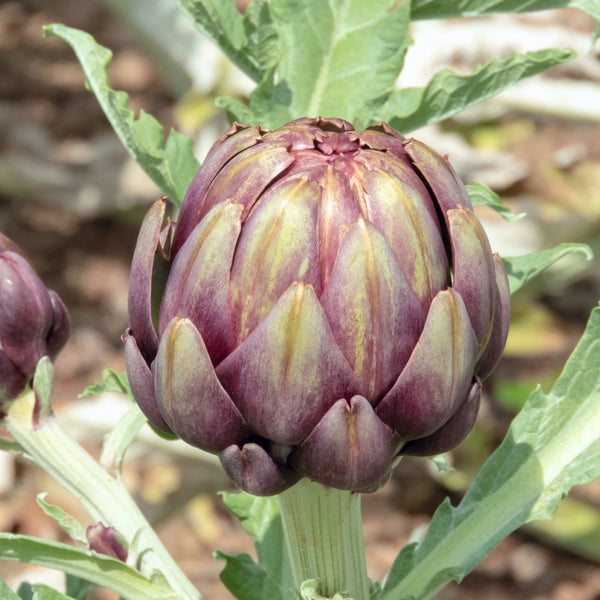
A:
(111, 382)
(237, 110)
(79, 588)
(552, 445)
(12, 447)
(42, 591)
(171, 162)
(246, 580)
(574, 527)
(440, 9)
(448, 93)
(25, 591)
(5, 592)
(67, 523)
(482, 195)
(248, 40)
(328, 53)
(102, 570)
(520, 269)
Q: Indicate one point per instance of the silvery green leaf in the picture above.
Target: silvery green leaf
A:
(441, 9)
(552, 445)
(97, 568)
(448, 93)
(5, 592)
(170, 163)
(248, 40)
(328, 52)
(67, 523)
(482, 195)
(521, 269)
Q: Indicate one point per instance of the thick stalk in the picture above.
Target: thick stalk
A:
(104, 497)
(323, 529)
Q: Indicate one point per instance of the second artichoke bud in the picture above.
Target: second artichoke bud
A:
(33, 321)
(330, 301)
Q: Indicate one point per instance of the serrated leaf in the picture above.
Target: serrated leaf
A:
(260, 518)
(118, 440)
(111, 382)
(440, 9)
(99, 569)
(74, 529)
(448, 93)
(5, 592)
(42, 591)
(328, 54)
(552, 445)
(170, 163)
(248, 40)
(575, 528)
(482, 195)
(246, 580)
(237, 110)
(521, 269)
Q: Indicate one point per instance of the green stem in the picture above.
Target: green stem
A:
(104, 497)
(323, 529)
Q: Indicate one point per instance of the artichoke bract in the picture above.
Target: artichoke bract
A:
(329, 301)
(33, 321)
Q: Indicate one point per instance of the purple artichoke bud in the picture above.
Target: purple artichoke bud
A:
(107, 540)
(33, 321)
(331, 302)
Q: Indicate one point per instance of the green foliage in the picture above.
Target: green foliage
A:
(118, 440)
(111, 382)
(552, 445)
(170, 163)
(6, 593)
(447, 93)
(43, 381)
(482, 195)
(71, 526)
(246, 580)
(328, 50)
(521, 269)
(439, 9)
(40, 591)
(45, 592)
(78, 588)
(97, 568)
(249, 41)
(261, 520)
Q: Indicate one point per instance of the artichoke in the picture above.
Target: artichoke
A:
(327, 302)
(33, 321)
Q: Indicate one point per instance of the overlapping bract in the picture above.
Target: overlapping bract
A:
(329, 301)
(33, 321)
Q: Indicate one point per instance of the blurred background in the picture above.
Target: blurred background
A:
(73, 199)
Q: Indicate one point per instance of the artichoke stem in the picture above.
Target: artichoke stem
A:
(104, 497)
(323, 530)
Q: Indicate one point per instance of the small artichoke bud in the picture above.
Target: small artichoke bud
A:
(107, 540)
(33, 321)
(331, 302)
